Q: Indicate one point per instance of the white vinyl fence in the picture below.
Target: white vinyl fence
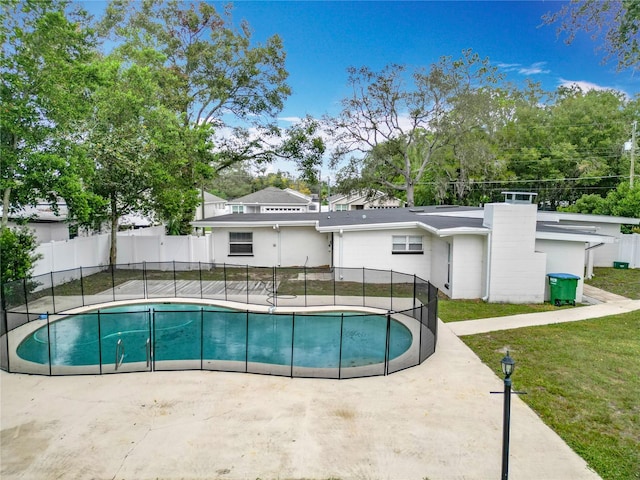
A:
(629, 250)
(145, 245)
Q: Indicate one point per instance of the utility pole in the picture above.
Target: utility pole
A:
(632, 170)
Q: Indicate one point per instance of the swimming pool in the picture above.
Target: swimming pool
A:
(184, 335)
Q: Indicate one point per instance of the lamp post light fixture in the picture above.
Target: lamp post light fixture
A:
(508, 366)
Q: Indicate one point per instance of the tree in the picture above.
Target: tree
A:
(121, 140)
(46, 74)
(616, 21)
(212, 74)
(624, 201)
(414, 119)
(569, 145)
(17, 259)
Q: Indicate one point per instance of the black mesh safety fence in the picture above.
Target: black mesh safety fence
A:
(201, 316)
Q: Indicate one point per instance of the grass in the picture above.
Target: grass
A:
(620, 281)
(458, 310)
(583, 379)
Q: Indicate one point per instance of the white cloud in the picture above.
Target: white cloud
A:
(582, 85)
(534, 69)
(290, 119)
(509, 67)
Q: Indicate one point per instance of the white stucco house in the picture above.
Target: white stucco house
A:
(501, 252)
(273, 200)
(362, 201)
(210, 206)
(46, 223)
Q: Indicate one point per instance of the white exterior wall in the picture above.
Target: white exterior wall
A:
(373, 249)
(608, 253)
(286, 247)
(563, 257)
(47, 232)
(468, 269)
(440, 274)
(516, 271)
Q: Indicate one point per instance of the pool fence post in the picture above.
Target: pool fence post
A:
(246, 344)
(99, 343)
(391, 292)
(200, 275)
(113, 281)
(363, 289)
(49, 343)
(293, 333)
(273, 287)
(53, 294)
(305, 285)
(386, 348)
(201, 337)
(414, 290)
(145, 289)
(334, 286)
(26, 297)
(421, 332)
(341, 334)
(81, 285)
(5, 324)
(224, 274)
(175, 283)
(247, 282)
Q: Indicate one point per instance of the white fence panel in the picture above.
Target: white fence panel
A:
(629, 250)
(94, 250)
(70, 254)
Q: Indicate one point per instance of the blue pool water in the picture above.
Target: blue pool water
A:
(187, 332)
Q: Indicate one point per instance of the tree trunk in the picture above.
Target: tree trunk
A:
(410, 197)
(113, 251)
(5, 207)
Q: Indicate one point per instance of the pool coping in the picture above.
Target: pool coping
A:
(408, 359)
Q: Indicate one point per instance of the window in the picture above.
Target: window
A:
(342, 207)
(241, 243)
(407, 244)
(237, 208)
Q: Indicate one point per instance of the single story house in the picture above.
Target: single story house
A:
(47, 224)
(273, 200)
(362, 201)
(210, 206)
(501, 252)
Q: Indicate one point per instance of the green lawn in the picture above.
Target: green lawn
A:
(622, 282)
(458, 310)
(583, 379)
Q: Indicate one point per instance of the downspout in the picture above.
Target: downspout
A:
(589, 271)
(487, 283)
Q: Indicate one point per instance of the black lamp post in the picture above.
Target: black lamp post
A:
(508, 366)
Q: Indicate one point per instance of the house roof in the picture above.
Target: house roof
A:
(211, 198)
(439, 220)
(270, 196)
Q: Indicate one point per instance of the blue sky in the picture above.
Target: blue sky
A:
(322, 39)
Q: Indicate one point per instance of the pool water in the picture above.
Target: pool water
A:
(189, 332)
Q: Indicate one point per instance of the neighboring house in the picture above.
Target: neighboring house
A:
(273, 200)
(362, 201)
(500, 253)
(46, 224)
(211, 207)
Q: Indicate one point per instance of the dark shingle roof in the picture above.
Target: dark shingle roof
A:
(271, 196)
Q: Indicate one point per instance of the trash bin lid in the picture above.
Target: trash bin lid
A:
(563, 275)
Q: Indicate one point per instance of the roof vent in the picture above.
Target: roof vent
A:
(519, 197)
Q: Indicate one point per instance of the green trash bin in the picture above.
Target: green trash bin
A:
(562, 288)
